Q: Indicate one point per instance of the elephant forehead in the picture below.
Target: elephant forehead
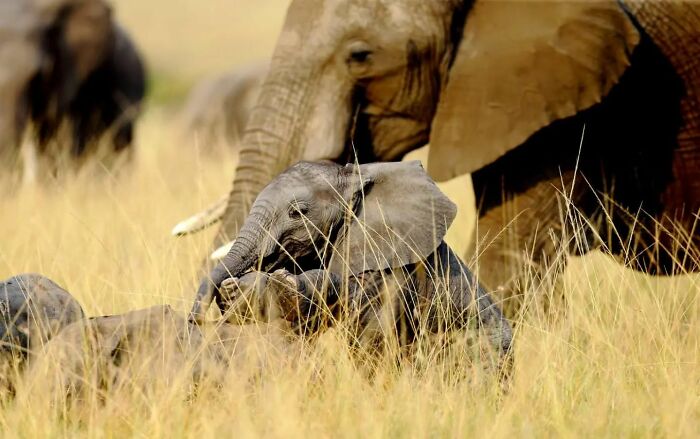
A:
(309, 173)
(320, 22)
(290, 187)
(304, 180)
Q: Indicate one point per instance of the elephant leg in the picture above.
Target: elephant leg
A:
(30, 161)
(521, 245)
(242, 300)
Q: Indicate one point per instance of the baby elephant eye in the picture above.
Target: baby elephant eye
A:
(298, 210)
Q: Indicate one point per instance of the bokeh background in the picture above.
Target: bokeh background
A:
(619, 358)
(187, 40)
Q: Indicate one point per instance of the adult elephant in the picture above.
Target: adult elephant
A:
(66, 63)
(542, 102)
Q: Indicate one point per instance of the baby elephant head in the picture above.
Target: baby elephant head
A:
(349, 218)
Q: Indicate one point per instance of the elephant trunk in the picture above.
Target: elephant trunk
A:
(252, 243)
(270, 143)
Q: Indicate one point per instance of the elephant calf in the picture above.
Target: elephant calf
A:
(375, 305)
(152, 347)
(33, 310)
(364, 242)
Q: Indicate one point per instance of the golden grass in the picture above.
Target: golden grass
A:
(621, 359)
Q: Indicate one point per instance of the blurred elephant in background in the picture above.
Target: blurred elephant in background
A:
(71, 75)
(582, 114)
(217, 109)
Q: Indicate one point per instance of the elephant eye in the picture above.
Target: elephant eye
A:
(297, 210)
(360, 56)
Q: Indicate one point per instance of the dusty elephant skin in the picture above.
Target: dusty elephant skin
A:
(146, 348)
(383, 223)
(501, 90)
(33, 310)
(71, 77)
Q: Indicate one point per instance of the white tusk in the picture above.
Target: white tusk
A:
(202, 220)
(221, 251)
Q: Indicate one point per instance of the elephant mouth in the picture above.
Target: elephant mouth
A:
(292, 256)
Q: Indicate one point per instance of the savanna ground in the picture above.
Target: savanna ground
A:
(621, 358)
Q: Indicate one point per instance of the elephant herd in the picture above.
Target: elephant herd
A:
(579, 123)
(385, 278)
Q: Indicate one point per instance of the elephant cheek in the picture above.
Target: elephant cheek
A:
(394, 137)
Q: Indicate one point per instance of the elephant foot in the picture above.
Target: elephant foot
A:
(285, 288)
(229, 289)
(242, 299)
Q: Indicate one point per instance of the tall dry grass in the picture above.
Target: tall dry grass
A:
(620, 360)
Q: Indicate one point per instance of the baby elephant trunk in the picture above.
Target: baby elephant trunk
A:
(244, 253)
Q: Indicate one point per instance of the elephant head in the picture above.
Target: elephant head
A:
(77, 36)
(351, 219)
(48, 49)
(33, 309)
(379, 78)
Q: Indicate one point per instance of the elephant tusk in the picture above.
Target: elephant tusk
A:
(221, 251)
(201, 220)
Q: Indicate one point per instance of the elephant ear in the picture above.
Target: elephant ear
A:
(520, 66)
(400, 218)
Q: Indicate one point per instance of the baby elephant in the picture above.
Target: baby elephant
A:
(33, 309)
(364, 242)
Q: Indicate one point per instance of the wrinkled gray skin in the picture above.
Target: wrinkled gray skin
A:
(217, 109)
(501, 90)
(33, 309)
(70, 75)
(400, 305)
(375, 221)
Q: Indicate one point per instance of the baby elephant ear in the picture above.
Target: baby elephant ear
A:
(402, 216)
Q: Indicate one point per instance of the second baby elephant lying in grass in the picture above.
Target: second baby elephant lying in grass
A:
(364, 242)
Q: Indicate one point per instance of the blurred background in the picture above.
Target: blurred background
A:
(184, 41)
